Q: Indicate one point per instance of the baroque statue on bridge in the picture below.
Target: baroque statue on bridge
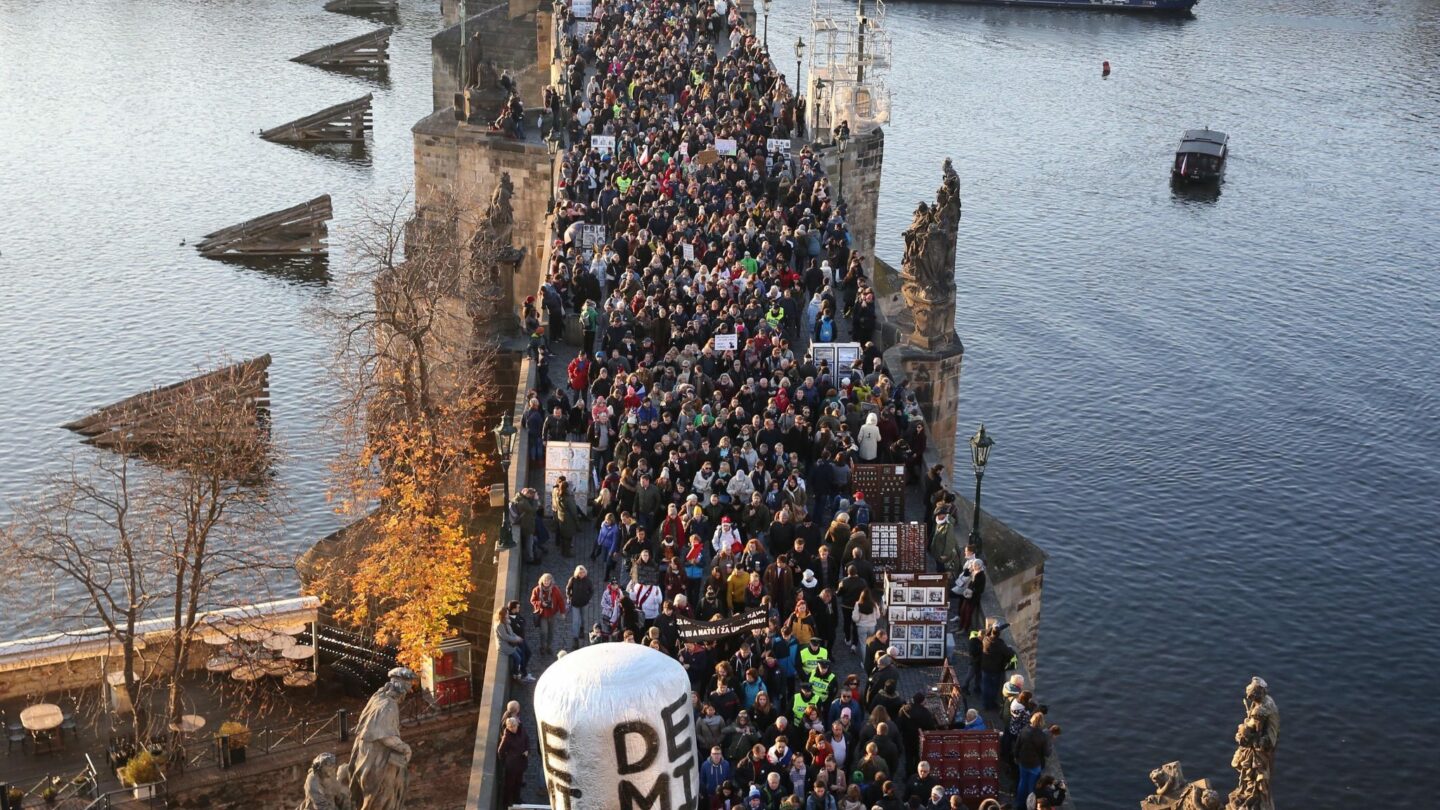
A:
(323, 790)
(1174, 792)
(927, 269)
(378, 770)
(1255, 740)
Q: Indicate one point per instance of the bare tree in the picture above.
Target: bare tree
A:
(188, 529)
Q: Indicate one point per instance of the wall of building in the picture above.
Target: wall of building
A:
(468, 161)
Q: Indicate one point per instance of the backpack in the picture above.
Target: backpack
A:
(827, 330)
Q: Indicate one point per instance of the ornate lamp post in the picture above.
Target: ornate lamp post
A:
(980, 445)
(765, 5)
(799, 58)
(552, 145)
(842, 137)
(504, 446)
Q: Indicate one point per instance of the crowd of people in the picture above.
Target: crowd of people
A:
(722, 479)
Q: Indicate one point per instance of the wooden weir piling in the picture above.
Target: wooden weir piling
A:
(346, 122)
(367, 51)
(146, 423)
(299, 230)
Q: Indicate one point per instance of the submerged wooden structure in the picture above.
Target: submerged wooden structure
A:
(346, 122)
(363, 6)
(234, 398)
(299, 230)
(367, 51)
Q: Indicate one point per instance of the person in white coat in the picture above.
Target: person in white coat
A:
(868, 441)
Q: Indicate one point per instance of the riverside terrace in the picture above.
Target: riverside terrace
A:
(673, 86)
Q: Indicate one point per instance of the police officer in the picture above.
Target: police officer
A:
(823, 681)
(812, 656)
(803, 700)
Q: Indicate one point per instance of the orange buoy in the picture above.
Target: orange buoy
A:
(1104, 68)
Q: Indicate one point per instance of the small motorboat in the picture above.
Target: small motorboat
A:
(1201, 157)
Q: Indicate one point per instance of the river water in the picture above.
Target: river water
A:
(1218, 415)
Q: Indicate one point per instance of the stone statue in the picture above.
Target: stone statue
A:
(1255, 739)
(323, 790)
(1174, 792)
(377, 772)
(488, 89)
(501, 211)
(927, 268)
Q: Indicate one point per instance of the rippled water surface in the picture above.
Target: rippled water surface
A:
(1218, 415)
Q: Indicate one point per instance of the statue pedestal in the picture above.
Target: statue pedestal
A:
(934, 374)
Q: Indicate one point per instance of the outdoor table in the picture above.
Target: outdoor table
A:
(298, 652)
(292, 629)
(217, 639)
(300, 678)
(248, 672)
(278, 642)
(42, 717)
(254, 634)
(221, 664)
(189, 724)
(277, 666)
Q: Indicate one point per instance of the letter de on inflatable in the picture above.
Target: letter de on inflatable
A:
(616, 731)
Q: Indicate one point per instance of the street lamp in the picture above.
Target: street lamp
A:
(505, 445)
(842, 137)
(799, 58)
(552, 145)
(980, 445)
(765, 4)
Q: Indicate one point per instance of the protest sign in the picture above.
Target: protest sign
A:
(726, 146)
(729, 342)
(688, 250)
(781, 145)
(691, 630)
(604, 144)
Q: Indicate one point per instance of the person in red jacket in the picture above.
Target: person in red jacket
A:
(547, 602)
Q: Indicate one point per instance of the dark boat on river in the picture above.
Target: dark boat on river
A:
(1201, 157)
(1135, 6)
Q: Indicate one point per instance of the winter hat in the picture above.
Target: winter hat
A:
(809, 581)
(859, 496)
(755, 791)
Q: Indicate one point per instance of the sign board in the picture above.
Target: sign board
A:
(898, 547)
(691, 630)
(581, 8)
(726, 147)
(572, 460)
(688, 251)
(592, 236)
(884, 488)
(706, 157)
(604, 144)
(727, 342)
(583, 28)
(781, 145)
(842, 357)
(684, 149)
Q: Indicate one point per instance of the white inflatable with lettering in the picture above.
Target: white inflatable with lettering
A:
(616, 731)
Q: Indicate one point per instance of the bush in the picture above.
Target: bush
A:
(239, 733)
(142, 769)
(15, 795)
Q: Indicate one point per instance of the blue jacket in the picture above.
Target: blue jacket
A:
(749, 691)
(609, 538)
(712, 776)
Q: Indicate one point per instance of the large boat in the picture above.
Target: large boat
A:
(1201, 157)
(1136, 6)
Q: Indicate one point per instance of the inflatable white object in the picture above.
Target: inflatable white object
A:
(616, 731)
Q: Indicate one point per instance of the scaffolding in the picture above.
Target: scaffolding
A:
(849, 62)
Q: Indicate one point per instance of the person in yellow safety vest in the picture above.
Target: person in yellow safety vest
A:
(823, 681)
(803, 700)
(812, 655)
(775, 316)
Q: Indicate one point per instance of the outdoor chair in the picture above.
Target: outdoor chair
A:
(15, 734)
(68, 724)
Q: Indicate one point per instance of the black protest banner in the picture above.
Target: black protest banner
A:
(691, 630)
